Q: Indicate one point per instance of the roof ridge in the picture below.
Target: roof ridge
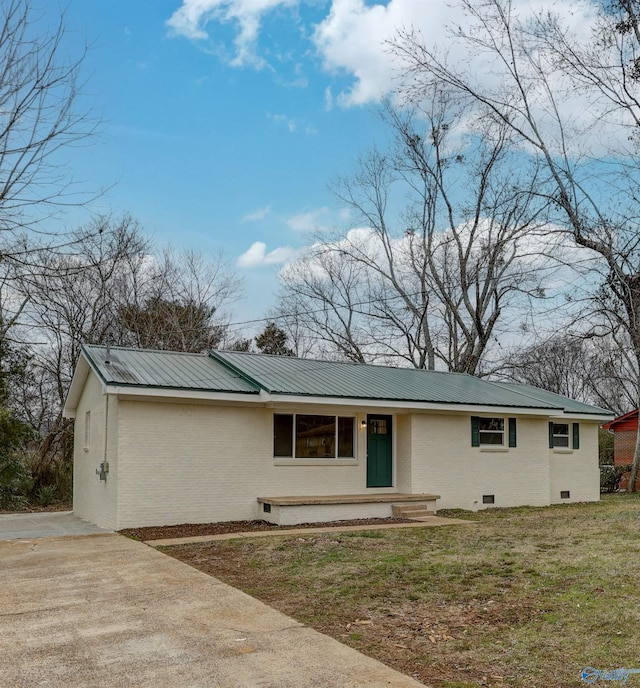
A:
(114, 347)
(348, 363)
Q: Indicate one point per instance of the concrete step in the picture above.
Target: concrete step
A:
(413, 510)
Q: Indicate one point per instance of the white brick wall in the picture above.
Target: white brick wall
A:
(291, 515)
(93, 499)
(445, 463)
(403, 453)
(577, 470)
(182, 463)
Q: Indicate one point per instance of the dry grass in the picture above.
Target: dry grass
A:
(525, 597)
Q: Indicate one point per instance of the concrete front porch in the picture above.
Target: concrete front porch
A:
(286, 511)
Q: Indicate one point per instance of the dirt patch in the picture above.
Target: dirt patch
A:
(197, 529)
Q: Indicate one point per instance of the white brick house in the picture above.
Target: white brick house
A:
(165, 438)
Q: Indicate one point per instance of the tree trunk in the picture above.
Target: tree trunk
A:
(631, 485)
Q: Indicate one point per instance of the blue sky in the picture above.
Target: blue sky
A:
(224, 120)
(209, 154)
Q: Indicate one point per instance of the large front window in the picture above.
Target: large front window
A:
(306, 436)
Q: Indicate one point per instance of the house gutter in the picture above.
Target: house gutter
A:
(285, 401)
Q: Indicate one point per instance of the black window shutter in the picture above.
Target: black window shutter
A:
(512, 432)
(576, 435)
(550, 435)
(475, 431)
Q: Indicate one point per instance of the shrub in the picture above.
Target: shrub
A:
(611, 477)
(46, 495)
(605, 447)
(15, 482)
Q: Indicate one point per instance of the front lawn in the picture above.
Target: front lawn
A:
(524, 597)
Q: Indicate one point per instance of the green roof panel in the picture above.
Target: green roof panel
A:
(305, 377)
(164, 369)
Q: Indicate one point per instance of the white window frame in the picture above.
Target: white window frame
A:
(87, 430)
(323, 459)
(484, 445)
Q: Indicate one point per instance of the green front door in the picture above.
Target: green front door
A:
(379, 452)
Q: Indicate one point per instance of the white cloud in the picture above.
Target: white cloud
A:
(328, 99)
(352, 38)
(256, 255)
(293, 124)
(257, 215)
(309, 221)
(192, 18)
(319, 220)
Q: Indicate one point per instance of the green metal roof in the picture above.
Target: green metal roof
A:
(165, 369)
(236, 372)
(305, 377)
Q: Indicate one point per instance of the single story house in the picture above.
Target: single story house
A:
(625, 432)
(165, 438)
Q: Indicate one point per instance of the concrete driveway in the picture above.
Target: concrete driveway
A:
(44, 524)
(104, 611)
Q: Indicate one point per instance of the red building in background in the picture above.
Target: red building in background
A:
(625, 431)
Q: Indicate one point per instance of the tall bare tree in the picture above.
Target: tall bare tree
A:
(321, 306)
(39, 117)
(446, 250)
(571, 102)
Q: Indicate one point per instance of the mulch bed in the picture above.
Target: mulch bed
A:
(196, 529)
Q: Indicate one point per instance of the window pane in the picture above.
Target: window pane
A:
(561, 435)
(491, 431)
(491, 424)
(315, 437)
(378, 426)
(282, 434)
(491, 438)
(345, 437)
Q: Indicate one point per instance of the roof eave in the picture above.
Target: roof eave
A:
(250, 397)
(80, 374)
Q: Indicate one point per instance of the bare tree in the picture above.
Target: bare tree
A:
(70, 299)
(321, 304)
(590, 370)
(108, 286)
(178, 305)
(533, 70)
(431, 284)
(39, 116)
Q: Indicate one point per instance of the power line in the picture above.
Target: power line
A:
(366, 302)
